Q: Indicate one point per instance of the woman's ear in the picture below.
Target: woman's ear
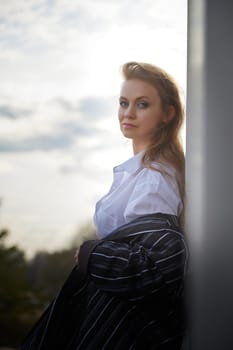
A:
(169, 114)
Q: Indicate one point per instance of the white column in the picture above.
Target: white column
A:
(209, 173)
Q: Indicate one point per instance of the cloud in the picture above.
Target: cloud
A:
(77, 129)
(58, 124)
(95, 108)
(38, 143)
(33, 25)
(65, 104)
(7, 111)
(55, 48)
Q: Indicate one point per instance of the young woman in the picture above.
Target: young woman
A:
(151, 115)
(126, 291)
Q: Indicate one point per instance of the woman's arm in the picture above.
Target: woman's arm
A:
(135, 269)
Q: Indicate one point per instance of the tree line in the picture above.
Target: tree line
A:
(28, 286)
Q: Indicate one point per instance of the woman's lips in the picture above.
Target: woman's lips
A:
(128, 125)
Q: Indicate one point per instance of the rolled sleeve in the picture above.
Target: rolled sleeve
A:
(131, 270)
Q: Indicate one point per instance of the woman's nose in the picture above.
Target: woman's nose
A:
(129, 112)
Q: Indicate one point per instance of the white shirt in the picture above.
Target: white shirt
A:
(136, 191)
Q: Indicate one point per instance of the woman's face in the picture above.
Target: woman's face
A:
(140, 112)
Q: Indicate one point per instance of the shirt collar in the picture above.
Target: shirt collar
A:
(131, 165)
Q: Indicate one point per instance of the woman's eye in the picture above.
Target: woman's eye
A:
(123, 104)
(143, 104)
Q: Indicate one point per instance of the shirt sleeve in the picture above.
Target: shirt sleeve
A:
(130, 269)
(159, 196)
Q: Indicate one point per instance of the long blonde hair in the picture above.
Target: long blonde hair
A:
(166, 146)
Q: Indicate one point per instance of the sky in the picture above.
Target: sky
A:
(60, 78)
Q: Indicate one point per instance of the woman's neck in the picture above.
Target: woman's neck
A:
(138, 147)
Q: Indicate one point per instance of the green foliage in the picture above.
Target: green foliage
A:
(85, 232)
(27, 287)
(48, 271)
(17, 302)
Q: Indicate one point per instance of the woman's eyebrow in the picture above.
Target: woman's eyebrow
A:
(137, 98)
(142, 97)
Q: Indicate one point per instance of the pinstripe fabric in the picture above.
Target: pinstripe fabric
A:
(132, 297)
(138, 271)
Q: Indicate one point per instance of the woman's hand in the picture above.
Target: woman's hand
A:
(76, 256)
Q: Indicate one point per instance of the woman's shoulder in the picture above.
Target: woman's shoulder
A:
(158, 171)
(163, 168)
(159, 178)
